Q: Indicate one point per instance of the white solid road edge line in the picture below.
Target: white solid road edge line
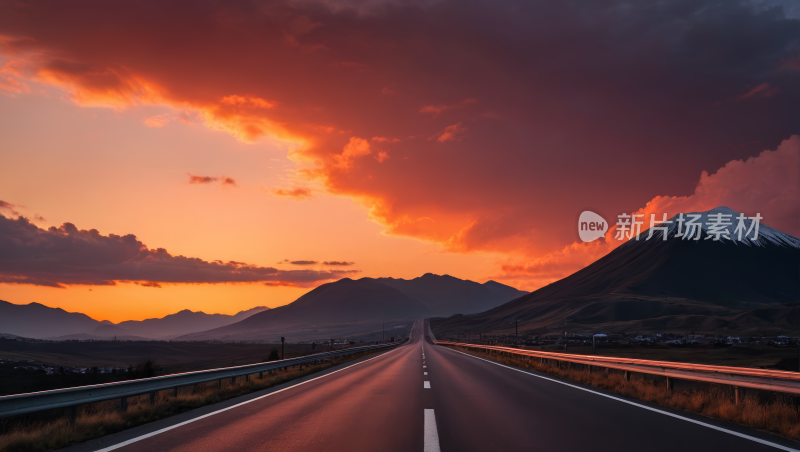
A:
(157, 432)
(431, 433)
(666, 413)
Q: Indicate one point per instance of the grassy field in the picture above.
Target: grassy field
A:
(172, 357)
(771, 412)
(51, 430)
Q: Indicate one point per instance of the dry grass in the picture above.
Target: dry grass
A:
(777, 413)
(103, 418)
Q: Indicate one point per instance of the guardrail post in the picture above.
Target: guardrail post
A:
(737, 394)
(175, 391)
(590, 369)
(247, 377)
(73, 414)
(152, 397)
(219, 383)
(670, 384)
(233, 380)
(123, 404)
(627, 376)
(261, 375)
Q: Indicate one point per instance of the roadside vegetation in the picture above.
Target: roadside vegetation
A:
(54, 430)
(772, 412)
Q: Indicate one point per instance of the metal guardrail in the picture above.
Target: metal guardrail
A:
(738, 377)
(17, 404)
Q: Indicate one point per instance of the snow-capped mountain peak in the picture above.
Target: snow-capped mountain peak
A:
(721, 224)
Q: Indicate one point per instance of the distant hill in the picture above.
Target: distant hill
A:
(329, 310)
(347, 307)
(96, 337)
(38, 321)
(673, 285)
(445, 295)
(183, 322)
(506, 292)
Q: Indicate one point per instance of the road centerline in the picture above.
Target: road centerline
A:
(431, 432)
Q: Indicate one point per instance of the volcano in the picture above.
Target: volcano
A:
(747, 286)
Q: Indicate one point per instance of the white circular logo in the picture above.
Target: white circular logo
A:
(591, 226)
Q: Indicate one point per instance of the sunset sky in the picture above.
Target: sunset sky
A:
(216, 156)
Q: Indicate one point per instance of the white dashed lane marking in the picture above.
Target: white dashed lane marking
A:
(426, 385)
(431, 433)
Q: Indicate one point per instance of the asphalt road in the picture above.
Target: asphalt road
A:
(389, 403)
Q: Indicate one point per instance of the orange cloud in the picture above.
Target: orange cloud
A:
(356, 147)
(196, 179)
(149, 284)
(249, 101)
(281, 284)
(9, 208)
(118, 87)
(156, 121)
(768, 184)
(540, 271)
(439, 109)
(382, 155)
(13, 86)
(296, 193)
(761, 91)
(449, 133)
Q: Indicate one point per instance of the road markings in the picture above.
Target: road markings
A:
(431, 433)
(426, 385)
(148, 435)
(426, 373)
(424, 367)
(666, 413)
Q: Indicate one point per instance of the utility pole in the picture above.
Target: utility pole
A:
(283, 341)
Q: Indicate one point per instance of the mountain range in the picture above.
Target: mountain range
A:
(337, 309)
(347, 307)
(38, 321)
(747, 286)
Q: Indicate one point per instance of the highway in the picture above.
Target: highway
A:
(422, 397)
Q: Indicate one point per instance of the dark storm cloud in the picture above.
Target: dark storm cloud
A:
(68, 255)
